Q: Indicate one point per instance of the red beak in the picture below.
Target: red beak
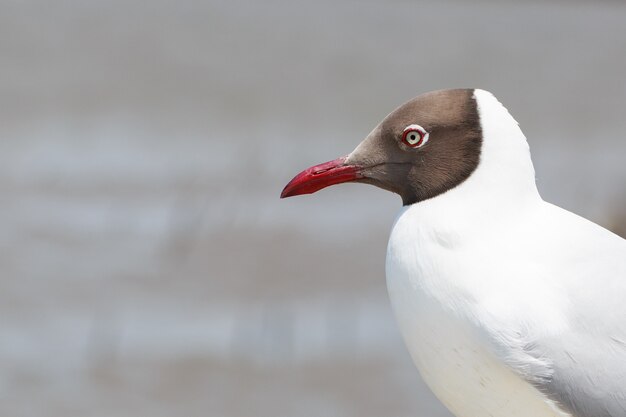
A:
(321, 176)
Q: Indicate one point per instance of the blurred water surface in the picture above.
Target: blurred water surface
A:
(148, 267)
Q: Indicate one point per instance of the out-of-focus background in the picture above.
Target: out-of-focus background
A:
(148, 267)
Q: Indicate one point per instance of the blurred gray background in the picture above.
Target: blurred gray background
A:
(148, 267)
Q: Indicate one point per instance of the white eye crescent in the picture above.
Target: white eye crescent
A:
(414, 136)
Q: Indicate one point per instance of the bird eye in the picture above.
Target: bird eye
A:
(414, 136)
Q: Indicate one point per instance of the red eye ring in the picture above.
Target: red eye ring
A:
(414, 136)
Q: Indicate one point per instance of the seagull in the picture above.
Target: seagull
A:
(509, 306)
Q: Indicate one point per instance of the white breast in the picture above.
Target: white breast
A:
(434, 314)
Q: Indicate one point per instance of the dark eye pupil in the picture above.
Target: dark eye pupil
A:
(412, 136)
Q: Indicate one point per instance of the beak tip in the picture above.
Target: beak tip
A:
(290, 190)
(287, 191)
